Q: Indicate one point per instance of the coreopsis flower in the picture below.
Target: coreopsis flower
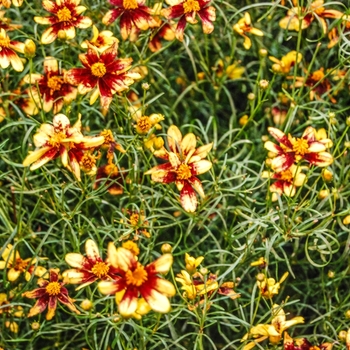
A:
(287, 180)
(307, 16)
(16, 266)
(136, 280)
(10, 311)
(273, 331)
(132, 14)
(293, 149)
(104, 74)
(7, 3)
(284, 65)
(100, 41)
(48, 91)
(145, 123)
(185, 163)
(187, 11)
(60, 139)
(192, 263)
(66, 16)
(7, 52)
(303, 344)
(261, 263)
(136, 220)
(110, 176)
(48, 294)
(268, 286)
(232, 71)
(244, 26)
(87, 269)
(163, 31)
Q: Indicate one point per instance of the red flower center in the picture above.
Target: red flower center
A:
(55, 83)
(100, 269)
(300, 146)
(53, 288)
(64, 14)
(136, 277)
(191, 6)
(130, 4)
(183, 172)
(98, 69)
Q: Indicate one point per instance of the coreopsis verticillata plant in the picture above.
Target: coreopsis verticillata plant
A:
(16, 266)
(66, 16)
(273, 331)
(303, 344)
(185, 163)
(104, 74)
(268, 286)
(294, 149)
(299, 18)
(132, 13)
(48, 91)
(136, 280)
(60, 139)
(89, 268)
(244, 26)
(284, 65)
(287, 180)
(7, 52)
(48, 294)
(7, 3)
(100, 41)
(187, 11)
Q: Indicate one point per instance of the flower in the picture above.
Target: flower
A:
(303, 344)
(104, 74)
(288, 61)
(268, 286)
(192, 263)
(187, 10)
(145, 123)
(100, 41)
(89, 268)
(60, 139)
(243, 26)
(16, 265)
(48, 91)
(137, 280)
(7, 3)
(7, 52)
(185, 163)
(132, 13)
(233, 71)
(5, 23)
(164, 31)
(287, 180)
(293, 149)
(48, 294)
(274, 330)
(137, 221)
(66, 17)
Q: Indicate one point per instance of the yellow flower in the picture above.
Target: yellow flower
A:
(284, 65)
(100, 41)
(243, 26)
(192, 263)
(144, 123)
(268, 286)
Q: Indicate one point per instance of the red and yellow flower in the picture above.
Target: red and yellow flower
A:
(89, 268)
(48, 91)
(7, 3)
(48, 294)
(104, 74)
(66, 16)
(17, 266)
(7, 52)
(185, 163)
(288, 61)
(136, 280)
(60, 139)
(132, 13)
(293, 149)
(187, 11)
(100, 41)
(303, 344)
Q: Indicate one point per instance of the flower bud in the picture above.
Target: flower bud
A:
(276, 68)
(166, 248)
(331, 274)
(243, 120)
(342, 336)
(348, 121)
(146, 86)
(251, 96)
(35, 326)
(263, 52)
(29, 48)
(158, 143)
(263, 84)
(346, 220)
(86, 304)
(323, 194)
(347, 314)
(327, 175)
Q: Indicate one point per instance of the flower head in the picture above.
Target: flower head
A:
(10, 311)
(66, 16)
(60, 139)
(268, 286)
(17, 266)
(7, 52)
(285, 64)
(136, 280)
(100, 41)
(48, 293)
(185, 163)
(7, 3)
(104, 74)
(132, 14)
(145, 123)
(187, 11)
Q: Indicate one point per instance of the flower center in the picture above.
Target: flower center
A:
(134, 219)
(183, 172)
(286, 176)
(111, 170)
(56, 139)
(144, 124)
(107, 134)
(4, 42)
(20, 265)
(64, 14)
(98, 69)
(191, 5)
(53, 288)
(300, 146)
(55, 83)
(88, 161)
(130, 4)
(132, 246)
(100, 269)
(317, 75)
(136, 277)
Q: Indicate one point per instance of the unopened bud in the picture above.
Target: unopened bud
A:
(158, 143)
(251, 96)
(204, 271)
(263, 84)
(29, 48)
(166, 248)
(346, 220)
(276, 68)
(86, 304)
(342, 336)
(243, 120)
(331, 274)
(327, 175)
(323, 194)
(35, 326)
(260, 277)
(347, 314)
(146, 86)
(262, 52)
